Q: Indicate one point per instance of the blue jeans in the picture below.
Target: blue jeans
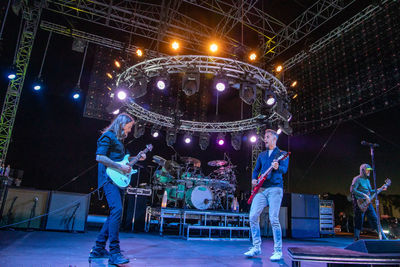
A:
(272, 197)
(359, 219)
(110, 229)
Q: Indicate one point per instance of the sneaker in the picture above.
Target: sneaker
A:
(276, 256)
(254, 251)
(97, 252)
(117, 258)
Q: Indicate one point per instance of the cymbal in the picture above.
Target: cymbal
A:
(159, 160)
(217, 163)
(190, 160)
(171, 164)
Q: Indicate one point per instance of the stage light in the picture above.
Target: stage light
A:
(236, 140)
(191, 83)
(204, 140)
(295, 95)
(109, 75)
(279, 131)
(253, 138)
(115, 112)
(170, 137)
(12, 72)
(248, 92)
(279, 68)
(139, 87)
(253, 56)
(285, 128)
(187, 138)
(175, 45)
(155, 131)
(220, 82)
(293, 84)
(139, 52)
(121, 95)
(213, 47)
(37, 84)
(161, 85)
(269, 97)
(76, 94)
(117, 64)
(139, 130)
(282, 110)
(163, 80)
(221, 139)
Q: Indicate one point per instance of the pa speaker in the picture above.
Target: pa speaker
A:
(68, 211)
(376, 246)
(134, 212)
(23, 204)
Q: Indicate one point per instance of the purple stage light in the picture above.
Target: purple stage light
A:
(220, 142)
(161, 85)
(253, 138)
(121, 95)
(279, 131)
(188, 140)
(220, 87)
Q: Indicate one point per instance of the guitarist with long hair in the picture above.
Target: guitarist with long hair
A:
(361, 190)
(110, 150)
(270, 194)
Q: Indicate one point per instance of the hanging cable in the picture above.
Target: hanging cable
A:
(4, 19)
(18, 40)
(44, 55)
(83, 64)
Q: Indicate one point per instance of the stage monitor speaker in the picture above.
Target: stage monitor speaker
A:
(68, 211)
(375, 246)
(129, 210)
(265, 225)
(22, 204)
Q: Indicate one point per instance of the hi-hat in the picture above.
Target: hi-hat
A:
(217, 163)
(190, 160)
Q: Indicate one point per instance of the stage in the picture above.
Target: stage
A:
(44, 248)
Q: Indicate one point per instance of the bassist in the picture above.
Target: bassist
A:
(269, 195)
(110, 150)
(361, 189)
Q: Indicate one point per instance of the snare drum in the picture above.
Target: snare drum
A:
(163, 177)
(199, 197)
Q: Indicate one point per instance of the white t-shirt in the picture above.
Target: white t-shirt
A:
(270, 152)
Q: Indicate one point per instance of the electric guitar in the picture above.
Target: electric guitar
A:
(261, 179)
(364, 203)
(123, 179)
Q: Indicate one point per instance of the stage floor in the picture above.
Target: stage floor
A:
(19, 248)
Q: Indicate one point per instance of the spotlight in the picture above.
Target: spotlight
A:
(139, 87)
(155, 131)
(121, 95)
(236, 140)
(279, 131)
(191, 83)
(115, 112)
(285, 128)
(293, 84)
(187, 138)
(139, 52)
(279, 68)
(171, 137)
(204, 140)
(295, 96)
(37, 84)
(77, 92)
(221, 139)
(109, 75)
(163, 81)
(117, 64)
(253, 56)
(175, 45)
(248, 92)
(269, 97)
(282, 110)
(213, 47)
(253, 138)
(12, 73)
(220, 82)
(139, 130)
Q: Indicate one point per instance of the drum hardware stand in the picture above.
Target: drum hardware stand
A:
(134, 207)
(150, 183)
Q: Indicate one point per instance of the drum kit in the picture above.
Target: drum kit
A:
(187, 187)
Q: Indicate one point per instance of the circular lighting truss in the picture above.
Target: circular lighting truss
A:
(233, 69)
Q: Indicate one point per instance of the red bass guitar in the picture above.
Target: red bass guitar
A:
(264, 176)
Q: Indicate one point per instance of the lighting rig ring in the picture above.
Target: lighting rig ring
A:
(207, 65)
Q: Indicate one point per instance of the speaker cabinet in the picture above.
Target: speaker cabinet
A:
(376, 246)
(68, 211)
(265, 225)
(131, 214)
(21, 205)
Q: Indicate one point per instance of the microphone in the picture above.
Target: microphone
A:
(364, 143)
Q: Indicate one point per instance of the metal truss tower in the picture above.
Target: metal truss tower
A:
(31, 15)
(256, 149)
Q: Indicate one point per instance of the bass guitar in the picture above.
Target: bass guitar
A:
(364, 203)
(123, 179)
(261, 179)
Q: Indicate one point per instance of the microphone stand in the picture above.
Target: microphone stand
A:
(376, 198)
(35, 200)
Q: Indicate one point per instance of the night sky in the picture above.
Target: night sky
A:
(52, 141)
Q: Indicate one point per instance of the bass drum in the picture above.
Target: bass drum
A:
(199, 197)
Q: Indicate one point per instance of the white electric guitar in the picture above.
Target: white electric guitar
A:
(123, 179)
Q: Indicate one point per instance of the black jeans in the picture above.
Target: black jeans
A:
(110, 229)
